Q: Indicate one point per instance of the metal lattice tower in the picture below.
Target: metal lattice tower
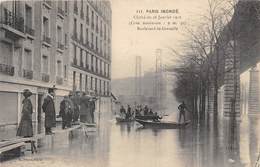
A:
(158, 77)
(138, 75)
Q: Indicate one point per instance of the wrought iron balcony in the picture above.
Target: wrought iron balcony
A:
(29, 30)
(28, 74)
(59, 80)
(7, 69)
(61, 12)
(13, 20)
(45, 77)
(60, 46)
(46, 39)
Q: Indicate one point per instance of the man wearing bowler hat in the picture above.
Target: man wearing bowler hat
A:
(49, 110)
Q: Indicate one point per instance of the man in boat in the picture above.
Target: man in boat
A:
(156, 117)
(128, 114)
(146, 110)
(151, 112)
(182, 107)
(122, 112)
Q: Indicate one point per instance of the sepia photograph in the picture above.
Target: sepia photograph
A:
(129, 83)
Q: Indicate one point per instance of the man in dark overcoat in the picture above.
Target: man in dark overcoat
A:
(49, 110)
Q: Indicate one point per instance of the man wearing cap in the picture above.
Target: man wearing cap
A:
(49, 110)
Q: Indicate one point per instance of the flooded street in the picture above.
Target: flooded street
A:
(128, 145)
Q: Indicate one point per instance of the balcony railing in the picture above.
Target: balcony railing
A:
(76, 9)
(61, 11)
(59, 80)
(28, 74)
(45, 77)
(46, 39)
(29, 30)
(13, 20)
(60, 46)
(7, 69)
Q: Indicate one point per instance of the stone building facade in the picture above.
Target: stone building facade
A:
(62, 44)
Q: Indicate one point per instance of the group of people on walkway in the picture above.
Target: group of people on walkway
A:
(73, 107)
(76, 106)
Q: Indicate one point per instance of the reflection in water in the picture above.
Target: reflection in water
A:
(203, 144)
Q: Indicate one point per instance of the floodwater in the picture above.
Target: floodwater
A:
(126, 145)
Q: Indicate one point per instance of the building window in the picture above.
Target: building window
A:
(92, 63)
(96, 43)
(87, 15)
(104, 87)
(45, 64)
(59, 34)
(28, 21)
(65, 71)
(91, 83)
(75, 54)
(100, 86)
(66, 6)
(92, 40)
(46, 26)
(86, 83)
(27, 59)
(6, 53)
(81, 57)
(87, 36)
(80, 82)
(66, 39)
(92, 19)
(81, 33)
(75, 28)
(59, 68)
(96, 85)
(74, 80)
(96, 24)
(86, 60)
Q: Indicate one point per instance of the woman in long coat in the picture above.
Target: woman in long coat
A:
(25, 128)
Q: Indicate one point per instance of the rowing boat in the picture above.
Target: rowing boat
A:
(162, 124)
(146, 117)
(121, 120)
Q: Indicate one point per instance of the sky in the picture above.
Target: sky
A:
(128, 42)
